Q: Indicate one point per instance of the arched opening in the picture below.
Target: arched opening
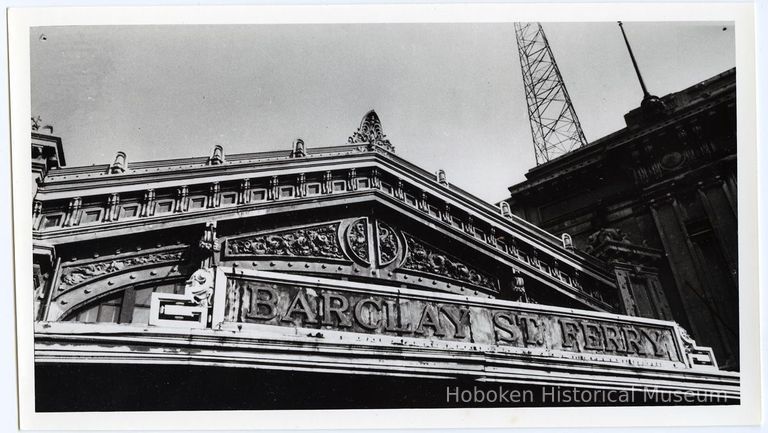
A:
(128, 306)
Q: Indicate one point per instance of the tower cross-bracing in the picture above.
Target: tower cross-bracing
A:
(554, 125)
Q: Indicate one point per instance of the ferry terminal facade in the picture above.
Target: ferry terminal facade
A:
(337, 277)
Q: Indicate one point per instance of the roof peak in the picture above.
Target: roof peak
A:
(371, 133)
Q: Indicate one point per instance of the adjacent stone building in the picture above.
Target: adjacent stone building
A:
(657, 196)
(339, 276)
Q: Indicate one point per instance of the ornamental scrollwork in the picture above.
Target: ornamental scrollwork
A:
(318, 241)
(199, 287)
(425, 258)
(696, 355)
(357, 239)
(75, 275)
(605, 235)
(388, 246)
(371, 133)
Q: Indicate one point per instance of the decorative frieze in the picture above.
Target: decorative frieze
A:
(357, 239)
(388, 245)
(75, 275)
(317, 241)
(426, 258)
(415, 194)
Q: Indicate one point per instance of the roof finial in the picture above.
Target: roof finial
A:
(442, 178)
(37, 125)
(298, 150)
(218, 155)
(370, 133)
(120, 164)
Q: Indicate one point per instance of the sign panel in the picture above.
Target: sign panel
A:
(409, 315)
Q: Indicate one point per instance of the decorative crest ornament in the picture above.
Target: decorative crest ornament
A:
(567, 241)
(442, 178)
(506, 212)
(120, 164)
(218, 155)
(37, 125)
(299, 150)
(199, 287)
(371, 133)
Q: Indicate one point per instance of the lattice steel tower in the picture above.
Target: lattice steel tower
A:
(554, 125)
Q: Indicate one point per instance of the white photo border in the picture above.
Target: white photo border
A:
(20, 20)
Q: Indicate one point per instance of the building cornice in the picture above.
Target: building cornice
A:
(597, 152)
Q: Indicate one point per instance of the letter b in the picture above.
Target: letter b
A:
(263, 303)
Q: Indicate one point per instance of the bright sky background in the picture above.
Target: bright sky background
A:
(449, 95)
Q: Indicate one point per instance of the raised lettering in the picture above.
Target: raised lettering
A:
(534, 332)
(592, 337)
(300, 305)
(634, 344)
(268, 304)
(660, 347)
(339, 310)
(505, 329)
(367, 323)
(613, 339)
(457, 317)
(570, 330)
(394, 317)
(430, 318)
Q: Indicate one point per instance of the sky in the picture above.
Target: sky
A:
(449, 96)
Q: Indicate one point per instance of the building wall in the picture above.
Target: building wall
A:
(668, 181)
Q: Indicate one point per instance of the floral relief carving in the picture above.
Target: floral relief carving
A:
(75, 275)
(388, 247)
(371, 133)
(425, 258)
(357, 239)
(318, 241)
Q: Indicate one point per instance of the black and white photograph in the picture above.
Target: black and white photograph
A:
(506, 214)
